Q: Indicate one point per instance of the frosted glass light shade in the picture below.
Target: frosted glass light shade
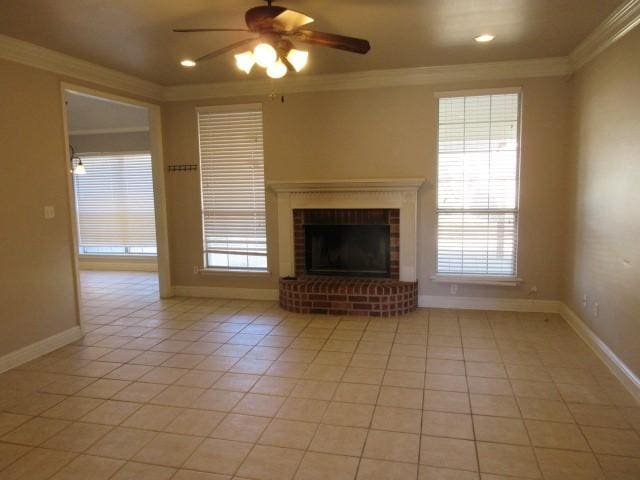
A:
(245, 61)
(297, 58)
(79, 169)
(265, 55)
(277, 69)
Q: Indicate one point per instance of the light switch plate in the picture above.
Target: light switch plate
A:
(49, 212)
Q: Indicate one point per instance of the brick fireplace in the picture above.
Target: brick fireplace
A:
(348, 247)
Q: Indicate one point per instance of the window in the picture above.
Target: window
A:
(232, 181)
(478, 181)
(114, 202)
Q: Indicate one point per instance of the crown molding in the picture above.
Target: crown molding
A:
(543, 67)
(39, 57)
(623, 19)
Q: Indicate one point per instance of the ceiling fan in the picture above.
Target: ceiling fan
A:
(276, 29)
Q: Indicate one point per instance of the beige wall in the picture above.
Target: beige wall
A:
(37, 296)
(603, 248)
(357, 134)
(377, 133)
(37, 292)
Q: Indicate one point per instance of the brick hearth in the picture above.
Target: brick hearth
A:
(348, 296)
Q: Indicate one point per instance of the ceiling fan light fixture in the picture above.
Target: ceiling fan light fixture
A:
(265, 55)
(277, 69)
(297, 58)
(188, 63)
(273, 30)
(245, 61)
(484, 38)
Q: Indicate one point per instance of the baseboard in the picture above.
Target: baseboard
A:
(42, 347)
(226, 292)
(626, 376)
(622, 372)
(484, 303)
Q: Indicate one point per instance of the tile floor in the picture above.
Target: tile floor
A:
(200, 389)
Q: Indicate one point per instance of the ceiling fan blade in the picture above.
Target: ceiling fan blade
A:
(195, 30)
(350, 44)
(290, 20)
(226, 49)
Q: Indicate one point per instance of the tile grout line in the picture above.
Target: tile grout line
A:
(238, 308)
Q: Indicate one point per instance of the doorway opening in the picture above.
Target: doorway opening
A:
(116, 185)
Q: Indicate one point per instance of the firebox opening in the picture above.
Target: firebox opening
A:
(347, 250)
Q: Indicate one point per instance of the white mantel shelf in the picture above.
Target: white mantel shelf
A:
(398, 193)
(350, 185)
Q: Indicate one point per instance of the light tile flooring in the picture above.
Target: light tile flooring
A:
(199, 389)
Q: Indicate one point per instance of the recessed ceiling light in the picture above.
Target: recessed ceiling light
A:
(484, 38)
(188, 63)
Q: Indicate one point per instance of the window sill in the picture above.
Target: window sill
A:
(243, 273)
(469, 280)
(117, 256)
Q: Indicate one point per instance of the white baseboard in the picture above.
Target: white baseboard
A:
(42, 347)
(626, 376)
(484, 303)
(227, 292)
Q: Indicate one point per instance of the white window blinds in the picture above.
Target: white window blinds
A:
(478, 180)
(114, 202)
(232, 180)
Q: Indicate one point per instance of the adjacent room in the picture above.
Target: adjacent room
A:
(304, 240)
(110, 157)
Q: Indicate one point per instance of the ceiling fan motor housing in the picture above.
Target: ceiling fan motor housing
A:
(260, 19)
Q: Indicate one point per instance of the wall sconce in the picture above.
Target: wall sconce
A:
(77, 168)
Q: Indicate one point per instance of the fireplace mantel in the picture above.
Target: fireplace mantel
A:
(399, 193)
(351, 185)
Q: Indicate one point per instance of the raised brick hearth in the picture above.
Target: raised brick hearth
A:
(348, 296)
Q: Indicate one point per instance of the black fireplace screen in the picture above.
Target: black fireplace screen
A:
(347, 250)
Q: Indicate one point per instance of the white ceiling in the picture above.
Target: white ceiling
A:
(134, 36)
(87, 114)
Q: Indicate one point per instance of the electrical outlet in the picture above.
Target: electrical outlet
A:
(49, 212)
(454, 289)
(596, 309)
(533, 290)
(585, 300)
(196, 270)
